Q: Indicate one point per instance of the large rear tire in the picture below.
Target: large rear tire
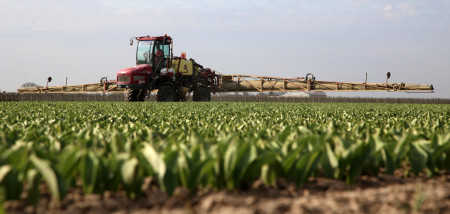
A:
(135, 95)
(201, 94)
(166, 93)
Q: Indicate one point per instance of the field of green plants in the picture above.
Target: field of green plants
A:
(113, 146)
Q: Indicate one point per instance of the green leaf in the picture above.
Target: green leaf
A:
(13, 185)
(229, 164)
(388, 161)
(155, 161)
(128, 170)
(48, 174)
(417, 157)
(33, 181)
(89, 170)
(206, 169)
(68, 164)
(246, 155)
(268, 175)
(4, 170)
(330, 162)
(358, 156)
(170, 181)
(289, 161)
(305, 165)
(184, 170)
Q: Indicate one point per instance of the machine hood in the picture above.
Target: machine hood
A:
(143, 69)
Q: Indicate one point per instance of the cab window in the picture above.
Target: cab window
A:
(144, 52)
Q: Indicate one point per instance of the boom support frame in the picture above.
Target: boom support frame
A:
(251, 83)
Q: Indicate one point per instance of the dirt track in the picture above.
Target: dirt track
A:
(384, 194)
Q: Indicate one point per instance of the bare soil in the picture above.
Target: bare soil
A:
(382, 194)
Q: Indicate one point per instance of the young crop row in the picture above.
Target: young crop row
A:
(115, 146)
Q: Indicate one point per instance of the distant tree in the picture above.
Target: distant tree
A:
(29, 84)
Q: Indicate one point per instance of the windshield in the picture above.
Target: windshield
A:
(143, 53)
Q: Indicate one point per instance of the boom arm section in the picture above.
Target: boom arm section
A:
(110, 86)
(250, 83)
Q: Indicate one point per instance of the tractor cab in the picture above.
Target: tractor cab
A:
(152, 55)
(154, 51)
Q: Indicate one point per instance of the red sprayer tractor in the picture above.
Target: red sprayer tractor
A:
(156, 68)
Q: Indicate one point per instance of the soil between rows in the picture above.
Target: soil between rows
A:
(382, 194)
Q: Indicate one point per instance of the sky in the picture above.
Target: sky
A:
(336, 40)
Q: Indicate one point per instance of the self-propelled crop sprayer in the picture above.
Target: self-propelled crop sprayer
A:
(156, 68)
(174, 78)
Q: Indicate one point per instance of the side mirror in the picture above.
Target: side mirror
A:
(388, 75)
(131, 41)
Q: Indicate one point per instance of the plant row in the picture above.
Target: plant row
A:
(115, 146)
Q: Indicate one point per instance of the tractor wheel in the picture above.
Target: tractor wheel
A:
(131, 95)
(201, 94)
(166, 93)
(134, 95)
